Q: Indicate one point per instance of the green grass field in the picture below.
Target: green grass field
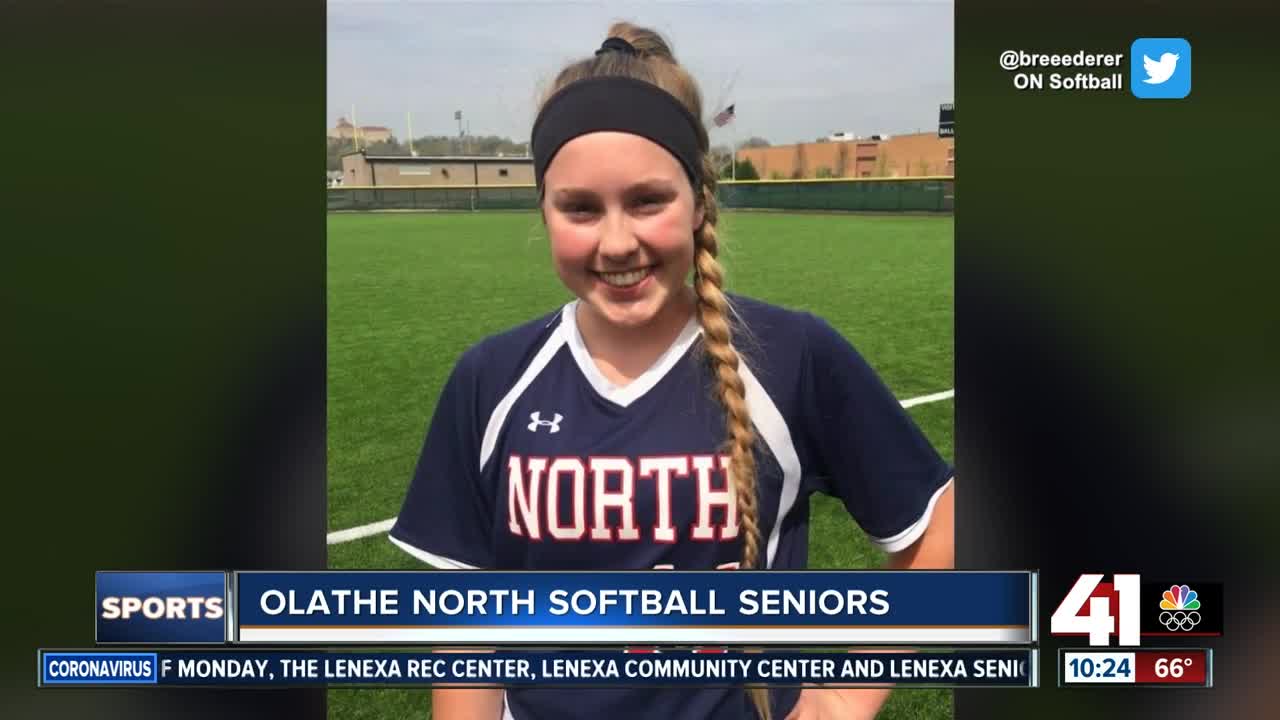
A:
(407, 293)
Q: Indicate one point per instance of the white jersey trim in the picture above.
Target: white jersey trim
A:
(624, 395)
(906, 538)
(499, 416)
(775, 433)
(435, 561)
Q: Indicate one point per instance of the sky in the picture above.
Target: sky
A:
(795, 71)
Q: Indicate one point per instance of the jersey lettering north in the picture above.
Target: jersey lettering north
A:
(535, 461)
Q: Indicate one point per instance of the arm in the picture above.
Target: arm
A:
(935, 550)
(456, 704)
(447, 516)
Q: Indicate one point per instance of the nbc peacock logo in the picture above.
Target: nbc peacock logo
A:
(1178, 608)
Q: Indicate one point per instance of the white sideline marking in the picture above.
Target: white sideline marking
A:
(355, 533)
(382, 526)
(924, 399)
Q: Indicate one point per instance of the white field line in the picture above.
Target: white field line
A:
(382, 526)
(926, 399)
(340, 536)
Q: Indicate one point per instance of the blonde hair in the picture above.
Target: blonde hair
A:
(654, 62)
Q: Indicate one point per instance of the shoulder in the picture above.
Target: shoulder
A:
(774, 330)
(494, 363)
(795, 351)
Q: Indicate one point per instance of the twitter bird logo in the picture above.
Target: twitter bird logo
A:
(1169, 77)
(1159, 70)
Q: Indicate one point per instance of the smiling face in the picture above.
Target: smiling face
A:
(621, 214)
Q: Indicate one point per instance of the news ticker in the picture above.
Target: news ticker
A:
(1166, 667)
(506, 668)
(567, 608)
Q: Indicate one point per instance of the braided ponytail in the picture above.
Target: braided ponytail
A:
(713, 315)
(653, 61)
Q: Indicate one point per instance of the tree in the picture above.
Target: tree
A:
(755, 142)
(745, 170)
(335, 148)
(386, 147)
(426, 146)
(825, 172)
(721, 156)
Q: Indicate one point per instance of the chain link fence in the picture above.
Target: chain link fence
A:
(932, 194)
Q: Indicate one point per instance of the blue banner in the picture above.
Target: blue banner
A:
(98, 668)
(161, 607)
(778, 607)
(987, 668)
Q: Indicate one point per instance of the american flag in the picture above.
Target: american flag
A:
(724, 117)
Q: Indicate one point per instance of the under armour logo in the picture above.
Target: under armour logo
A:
(538, 422)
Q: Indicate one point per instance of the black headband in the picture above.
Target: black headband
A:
(622, 104)
(617, 44)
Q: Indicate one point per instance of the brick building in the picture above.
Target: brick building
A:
(362, 170)
(914, 155)
(369, 133)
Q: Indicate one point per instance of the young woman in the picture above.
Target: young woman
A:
(657, 422)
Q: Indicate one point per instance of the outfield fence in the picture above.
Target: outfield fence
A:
(923, 194)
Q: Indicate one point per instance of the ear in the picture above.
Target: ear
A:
(699, 217)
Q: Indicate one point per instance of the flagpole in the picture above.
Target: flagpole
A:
(734, 159)
(355, 128)
(723, 118)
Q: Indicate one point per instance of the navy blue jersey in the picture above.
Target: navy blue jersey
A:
(535, 461)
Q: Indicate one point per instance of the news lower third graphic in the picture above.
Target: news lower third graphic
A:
(169, 668)
(161, 607)
(1185, 667)
(1129, 609)
(1173, 608)
(1180, 609)
(643, 607)
(637, 629)
(1157, 68)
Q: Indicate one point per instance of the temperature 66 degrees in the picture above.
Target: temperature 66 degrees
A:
(1187, 666)
(1173, 667)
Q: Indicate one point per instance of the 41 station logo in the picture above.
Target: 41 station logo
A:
(1129, 609)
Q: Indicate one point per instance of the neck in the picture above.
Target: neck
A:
(623, 354)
